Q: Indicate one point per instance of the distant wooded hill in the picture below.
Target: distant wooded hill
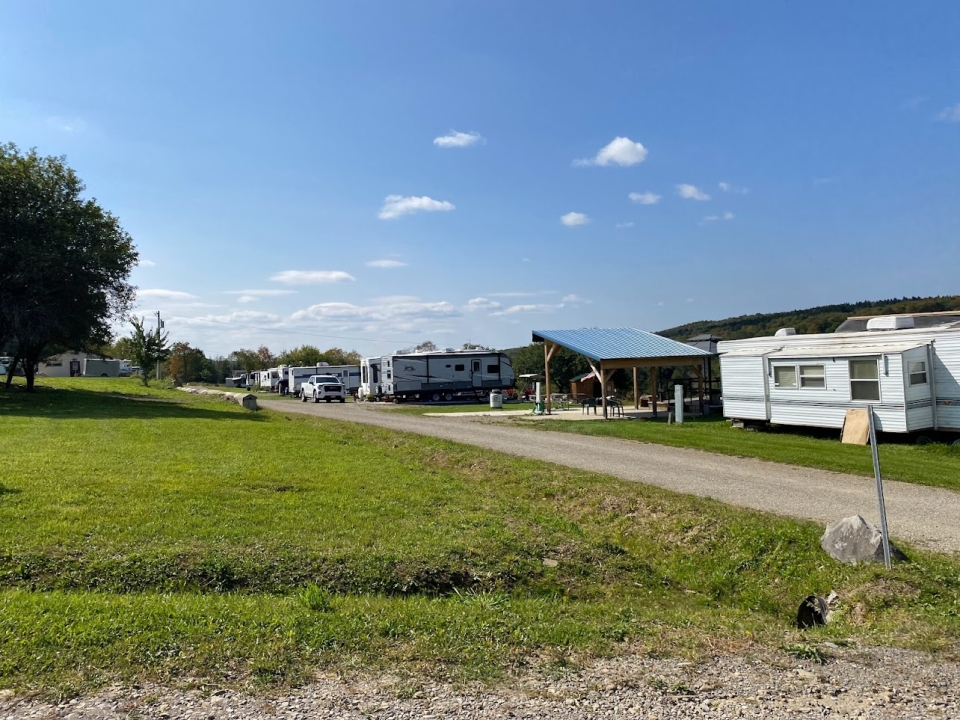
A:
(822, 319)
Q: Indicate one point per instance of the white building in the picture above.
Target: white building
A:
(906, 367)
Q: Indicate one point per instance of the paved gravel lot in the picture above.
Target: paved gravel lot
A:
(853, 684)
(928, 517)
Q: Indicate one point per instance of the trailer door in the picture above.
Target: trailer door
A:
(476, 372)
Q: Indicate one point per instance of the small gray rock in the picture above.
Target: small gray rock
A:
(854, 540)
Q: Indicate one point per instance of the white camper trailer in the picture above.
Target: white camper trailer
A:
(906, 367)
(437, 375)
(94, 367)
(348, 375)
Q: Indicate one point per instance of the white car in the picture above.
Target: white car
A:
(323, 387)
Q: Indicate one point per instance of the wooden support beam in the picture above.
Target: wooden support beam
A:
(549, 350)
(636, 390)
(654, 373)
(603, 390)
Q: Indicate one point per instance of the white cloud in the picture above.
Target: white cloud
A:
(380, 313)
(726, 216)
(619, 151)
(454, 139)
(386, 264)
(689, 299)
(950, 114)
(528, 309)
(393, 299)
(727, 187)
(691, 192)
(146, 263)
(573, 299)
(309, 277)
(572, 219)
(247, 299)
(238, 317)
(481, 303)
(395, 206)
(660, 304)
(647, 198)
(624, 225)
(161, 294)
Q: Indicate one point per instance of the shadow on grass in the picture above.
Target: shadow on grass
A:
(74, 403)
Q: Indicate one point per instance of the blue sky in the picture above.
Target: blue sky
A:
(370, 175)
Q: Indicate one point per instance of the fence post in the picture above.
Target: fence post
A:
(884, 533)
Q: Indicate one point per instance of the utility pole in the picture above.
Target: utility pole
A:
(159, 325)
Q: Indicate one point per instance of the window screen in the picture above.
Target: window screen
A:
(458, 368)
(785, 376)
(864, 380)
(811, 376)
(918, 372)
(493, 369)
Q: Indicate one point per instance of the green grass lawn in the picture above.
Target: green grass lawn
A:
(936, 464)
(149, 534)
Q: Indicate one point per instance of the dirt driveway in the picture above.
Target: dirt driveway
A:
(928, 517)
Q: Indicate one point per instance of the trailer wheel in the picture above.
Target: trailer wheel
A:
(923, 440)
(104, 375)
(435, 397)
(448, 397)
(956, 443)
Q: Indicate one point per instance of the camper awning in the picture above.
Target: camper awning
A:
(832, 351)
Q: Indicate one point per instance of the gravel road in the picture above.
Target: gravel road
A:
(927, 517)
(869, 684)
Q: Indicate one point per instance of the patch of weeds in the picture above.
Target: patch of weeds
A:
(315, 598)
(681, 688)
(806, 651)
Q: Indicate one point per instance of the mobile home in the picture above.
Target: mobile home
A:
(437, 375)
(906, 367)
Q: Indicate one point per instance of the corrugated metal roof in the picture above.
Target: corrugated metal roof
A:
(618, 343)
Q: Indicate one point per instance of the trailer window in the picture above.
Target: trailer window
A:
(785, 376)
(811, 376)
(493, 369)
(459, 368)
(918, 372)
(864, 380)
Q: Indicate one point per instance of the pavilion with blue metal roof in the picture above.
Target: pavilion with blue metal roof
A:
(609, 349)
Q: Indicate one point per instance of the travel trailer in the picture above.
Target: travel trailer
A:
(907, 367)
(94, 367)
(437, 375)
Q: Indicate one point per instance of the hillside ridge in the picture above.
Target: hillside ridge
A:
(821, 319)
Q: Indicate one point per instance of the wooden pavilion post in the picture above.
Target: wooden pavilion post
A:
(549, 349)
(603, 390)
(698, 371)
(636, 390)
(654, 373)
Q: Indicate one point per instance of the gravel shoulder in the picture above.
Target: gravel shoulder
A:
(875, 683)
(924, 516)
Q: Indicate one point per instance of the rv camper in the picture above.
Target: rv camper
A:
(435, 376)
(93, 367)
(906, 367)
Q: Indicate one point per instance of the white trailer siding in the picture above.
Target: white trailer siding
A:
(946, 374)
(436, 375)
(917, 395)
(743, 395)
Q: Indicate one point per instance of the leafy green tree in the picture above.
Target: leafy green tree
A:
(64, 261)
(564, 366)
(303, 356)
(266, 358)
(337, 356)
(246, 360)
(186, 364)
(147, 348)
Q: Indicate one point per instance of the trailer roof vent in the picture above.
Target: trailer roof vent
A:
(890, 322)
(785, 331)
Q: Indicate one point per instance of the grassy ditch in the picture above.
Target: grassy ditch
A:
(936, 465)
(148, 534)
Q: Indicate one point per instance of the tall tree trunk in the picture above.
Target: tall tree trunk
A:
(29, 371)
(10, 371)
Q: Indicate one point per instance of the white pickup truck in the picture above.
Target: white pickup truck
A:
(323, 387)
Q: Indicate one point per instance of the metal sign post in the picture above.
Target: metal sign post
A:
(885, 535)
